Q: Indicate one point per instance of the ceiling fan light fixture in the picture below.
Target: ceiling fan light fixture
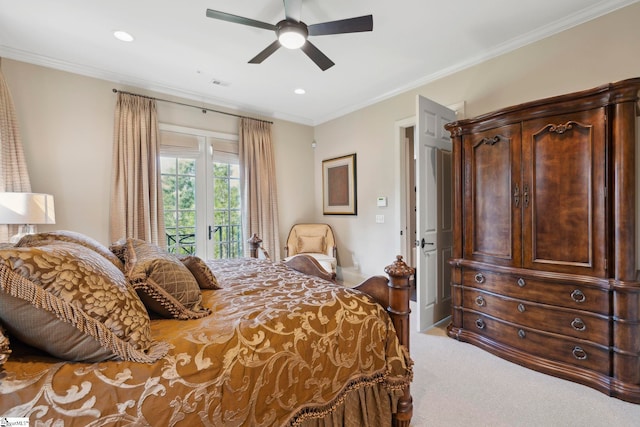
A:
(292, 35)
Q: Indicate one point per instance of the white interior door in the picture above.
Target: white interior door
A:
(434, 218)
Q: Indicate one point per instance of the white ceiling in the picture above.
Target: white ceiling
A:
(179, 51)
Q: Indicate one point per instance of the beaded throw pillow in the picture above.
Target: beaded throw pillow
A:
(5, 349)
(73, 237)
(201, 272)
(70, 302)
(163, 282)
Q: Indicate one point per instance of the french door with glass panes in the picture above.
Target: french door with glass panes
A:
(201, 192)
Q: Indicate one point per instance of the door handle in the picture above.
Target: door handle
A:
(213, 230)
(423, 243)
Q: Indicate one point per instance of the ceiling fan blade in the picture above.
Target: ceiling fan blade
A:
(351, 25)
(215, 14)
(316, 56)
(292, 9)
(267, 52)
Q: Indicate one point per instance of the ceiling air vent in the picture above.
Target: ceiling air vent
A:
(218, 82)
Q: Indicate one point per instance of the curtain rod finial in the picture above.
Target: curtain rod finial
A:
(115, 90)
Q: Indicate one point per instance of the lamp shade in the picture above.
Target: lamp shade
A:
(26, 208)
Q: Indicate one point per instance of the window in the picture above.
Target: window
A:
(201, 192)
(179, 197)
(227, 233)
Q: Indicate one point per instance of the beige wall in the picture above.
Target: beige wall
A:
(598, 52)
(66, 123)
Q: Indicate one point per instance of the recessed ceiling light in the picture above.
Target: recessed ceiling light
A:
(300, 91)
(123, 36)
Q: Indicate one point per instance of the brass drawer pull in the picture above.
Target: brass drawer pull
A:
(480, 301)
(521, 282)
(480, 324)
(578, 324)
(522, 334)
(521, 308)
(578, 296)
(579, 353)
(479, 278)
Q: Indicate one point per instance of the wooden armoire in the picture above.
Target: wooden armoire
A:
(544, 261)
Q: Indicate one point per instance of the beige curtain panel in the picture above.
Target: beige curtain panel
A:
(258, 185)
(136, 192)
(14, 175)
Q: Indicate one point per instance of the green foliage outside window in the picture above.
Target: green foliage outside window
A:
(226, 214)
(179, 198)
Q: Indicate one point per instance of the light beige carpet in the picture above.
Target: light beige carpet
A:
(457, 384)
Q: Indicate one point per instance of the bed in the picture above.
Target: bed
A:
(258, 343)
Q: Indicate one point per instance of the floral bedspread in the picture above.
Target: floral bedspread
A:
(279, 348)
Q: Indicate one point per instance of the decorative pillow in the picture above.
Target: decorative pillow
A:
(311, 244)
(201, 272)
(73, 237)
(71, 302)
(118, 249)
(5, 351)
(164, 284)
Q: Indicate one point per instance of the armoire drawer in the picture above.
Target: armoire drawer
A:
(573, 323)
(574, 352)
(567, 295)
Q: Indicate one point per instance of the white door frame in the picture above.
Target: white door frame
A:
(403, 243)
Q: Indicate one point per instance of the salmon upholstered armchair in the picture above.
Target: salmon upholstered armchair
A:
(316, 240)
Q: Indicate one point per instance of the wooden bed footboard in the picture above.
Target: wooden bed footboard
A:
(309, 265)
(392, 293)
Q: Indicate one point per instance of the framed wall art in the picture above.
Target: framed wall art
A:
(339, 186)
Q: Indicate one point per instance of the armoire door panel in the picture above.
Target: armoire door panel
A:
(492, 187)
(564, 176)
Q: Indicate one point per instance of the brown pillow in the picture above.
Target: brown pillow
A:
(118, 249)
(310, 244)
(71, 302)
(73, 237)
(201, 272)
(164, 284)
(5, 350)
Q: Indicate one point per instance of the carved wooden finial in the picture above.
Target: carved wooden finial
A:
(399, 268)
(254, 245)
(255, 240)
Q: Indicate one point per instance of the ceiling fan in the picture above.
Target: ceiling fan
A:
(293, 33)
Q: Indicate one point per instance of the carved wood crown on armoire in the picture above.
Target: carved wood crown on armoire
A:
(545, 256)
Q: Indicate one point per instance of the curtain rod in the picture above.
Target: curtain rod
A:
(203, 109)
